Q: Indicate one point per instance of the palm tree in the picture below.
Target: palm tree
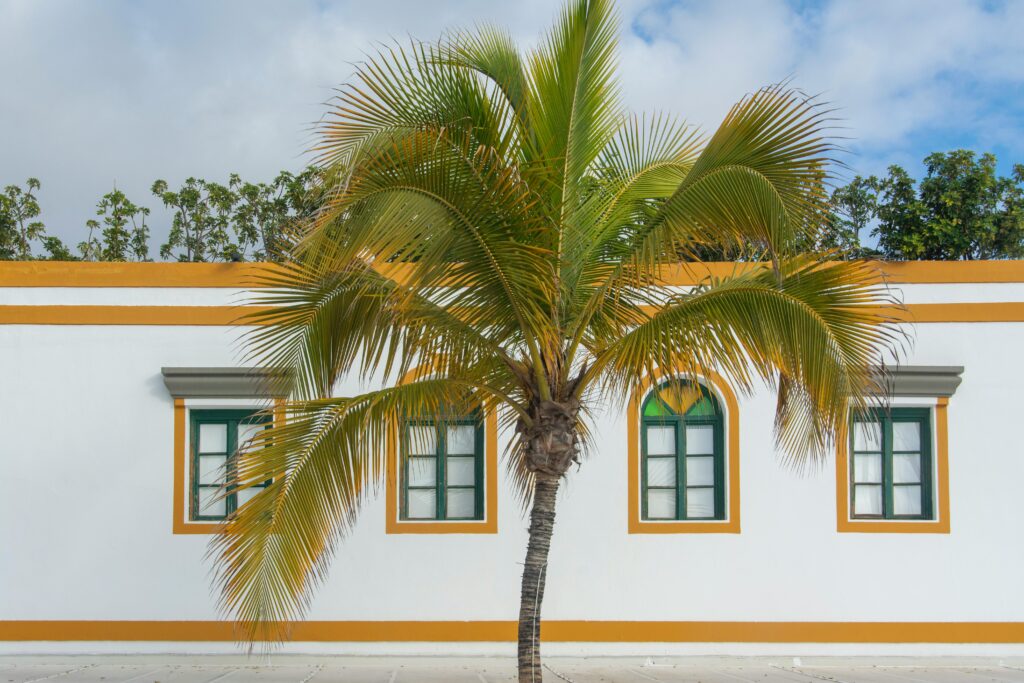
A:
(501, 219)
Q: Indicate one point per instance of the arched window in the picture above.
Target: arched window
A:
(683, 453)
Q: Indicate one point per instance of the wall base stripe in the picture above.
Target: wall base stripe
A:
(553, 631)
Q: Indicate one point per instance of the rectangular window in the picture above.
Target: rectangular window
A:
(891, 464)
(216, 436)
(443, 470)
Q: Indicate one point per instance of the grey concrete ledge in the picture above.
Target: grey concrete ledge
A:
(225, 382)
(937, 381)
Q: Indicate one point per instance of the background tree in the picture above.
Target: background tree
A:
(960, 210)
(19, 209)
(265, 212)
(238, 221)
(499, 219)
(851, 209)
(200, 221)
(8, 231)
(21, 229)
(123, 233)
(56, 250)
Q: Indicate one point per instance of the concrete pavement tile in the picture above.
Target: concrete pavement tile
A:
(935, 674)
(24, 673)
(353, 674)
(992, 673)
(112, 673)
(847, 674)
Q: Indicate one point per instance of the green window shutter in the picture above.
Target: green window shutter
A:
(443, 469)
(891, 464)
(216, 435)
(682, 469)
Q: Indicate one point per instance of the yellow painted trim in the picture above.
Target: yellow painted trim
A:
(554, 631)
(939, 525)
(180, 523)
(895, 272)
(70, 274)
(489, 525)
(984, 312)
(953, 272)
(126, 315)
(243, 275)
(636, 525)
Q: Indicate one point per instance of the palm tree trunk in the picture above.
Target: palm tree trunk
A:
(542, 523)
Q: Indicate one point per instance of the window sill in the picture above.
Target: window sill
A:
(197, 527)
(711, 526)
(893, 526)
(487, 526)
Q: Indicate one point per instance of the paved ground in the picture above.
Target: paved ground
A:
(294, 669)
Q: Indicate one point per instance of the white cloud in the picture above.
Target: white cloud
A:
(125, 92)
(896, 71)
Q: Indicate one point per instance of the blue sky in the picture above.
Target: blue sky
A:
(98, 93)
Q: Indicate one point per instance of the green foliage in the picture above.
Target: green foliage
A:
(8, 232)
(124, 235)
(961, 210)
(56, 250)
(851, 210)
(200, 222)
(235, 222)
(265, 213)
(18, 229)
(209, 221)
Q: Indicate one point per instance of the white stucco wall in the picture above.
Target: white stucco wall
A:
(86, 500)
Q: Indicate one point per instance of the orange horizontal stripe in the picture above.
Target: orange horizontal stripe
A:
(896, 272)
(241, 275)
(938, 272)
(72, 274)
(124, 315)
(552, 631)
(985, 312)
(1009, 311)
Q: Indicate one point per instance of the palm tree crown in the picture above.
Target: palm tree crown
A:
(500, 218)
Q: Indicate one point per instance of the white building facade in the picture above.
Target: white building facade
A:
(121, 393)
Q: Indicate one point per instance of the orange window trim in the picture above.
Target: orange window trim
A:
(730, 525)
(488, 525)
(555, 631)
(939, 525)
(180, 523)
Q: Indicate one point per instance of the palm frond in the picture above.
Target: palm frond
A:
(457, 215)
(491, 52)
(811, 330)
(642, 165)
(323, 462)
(757, 185)
(317, 327)
(399, 90)
(574, 103)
